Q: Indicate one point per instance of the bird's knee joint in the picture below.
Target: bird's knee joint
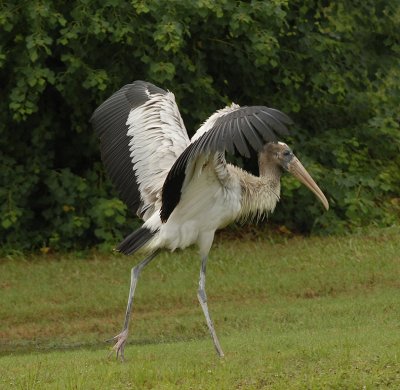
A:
(136, 271)
(201, 294)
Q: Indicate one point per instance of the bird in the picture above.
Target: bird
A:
(183, 188)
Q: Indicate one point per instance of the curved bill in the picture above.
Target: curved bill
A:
(295, 167)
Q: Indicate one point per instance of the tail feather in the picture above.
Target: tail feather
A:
(135, 241)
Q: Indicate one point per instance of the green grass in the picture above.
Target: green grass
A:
(314, 313)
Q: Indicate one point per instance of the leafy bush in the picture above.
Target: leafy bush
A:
(334, 67)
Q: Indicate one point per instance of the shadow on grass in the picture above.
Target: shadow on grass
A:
(28, 347)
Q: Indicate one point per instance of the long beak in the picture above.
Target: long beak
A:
(295, 167)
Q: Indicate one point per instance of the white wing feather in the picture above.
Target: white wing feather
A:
(158, 137)
(209, 123)
(195, 167)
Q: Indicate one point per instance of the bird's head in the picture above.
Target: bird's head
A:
(278, 154)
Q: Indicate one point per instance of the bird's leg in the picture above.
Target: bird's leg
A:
(122, 337)
(201, 295)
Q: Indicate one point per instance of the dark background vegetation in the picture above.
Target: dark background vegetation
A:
(332, 66)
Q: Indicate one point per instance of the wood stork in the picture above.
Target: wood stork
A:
(183, 188)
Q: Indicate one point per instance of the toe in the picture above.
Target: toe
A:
(119, 346)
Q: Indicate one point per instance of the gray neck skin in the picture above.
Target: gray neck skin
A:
(260, 194)
(270, 171)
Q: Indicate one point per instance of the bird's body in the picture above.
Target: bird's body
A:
(183, 189)
(211, 203)
(203, 208)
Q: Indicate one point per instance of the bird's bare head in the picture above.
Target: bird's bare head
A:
(276, 153)
(279, 154)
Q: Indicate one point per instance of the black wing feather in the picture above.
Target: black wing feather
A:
(226, 139)
(251, 134)
(109, 122)
(241, 128)
(269, 117)
(239, 138)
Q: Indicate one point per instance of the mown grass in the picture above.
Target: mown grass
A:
(311, 313)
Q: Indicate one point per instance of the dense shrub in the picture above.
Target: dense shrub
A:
(333, 66)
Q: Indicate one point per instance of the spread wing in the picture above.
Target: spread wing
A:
(233, 129)
(141, 135)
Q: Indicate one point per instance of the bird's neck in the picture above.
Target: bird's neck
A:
(260, 194)
(271, 173)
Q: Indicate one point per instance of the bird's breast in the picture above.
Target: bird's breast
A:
(205, 206)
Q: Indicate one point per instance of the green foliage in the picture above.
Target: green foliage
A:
(334, 68)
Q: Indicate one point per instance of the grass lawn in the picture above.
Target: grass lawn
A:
(302, 313)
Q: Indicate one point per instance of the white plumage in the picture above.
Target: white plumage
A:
(157, 138)
(209, 123)
(184, 189)
(207, 203)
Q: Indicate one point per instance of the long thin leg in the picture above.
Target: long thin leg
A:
(123, 336)
(201, 295)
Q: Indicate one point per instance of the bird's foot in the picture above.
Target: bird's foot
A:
(120, 344)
